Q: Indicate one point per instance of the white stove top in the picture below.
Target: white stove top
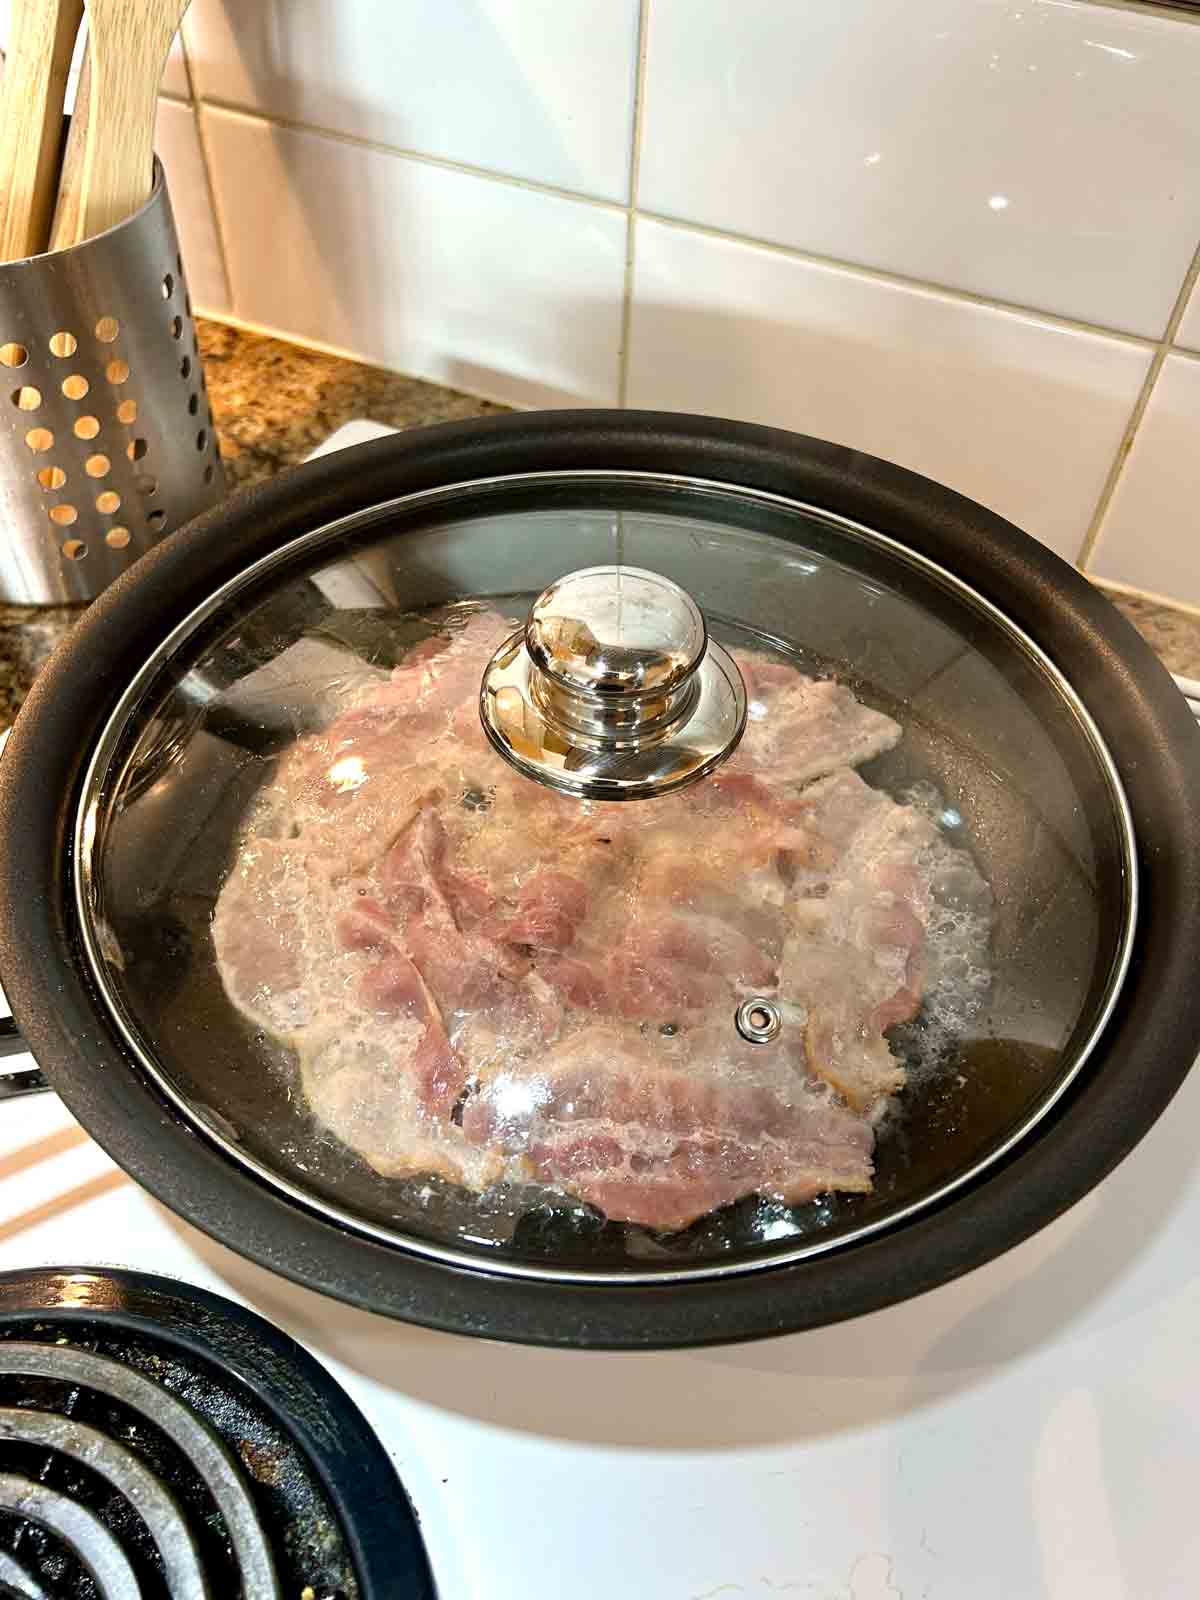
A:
(1030, 1432)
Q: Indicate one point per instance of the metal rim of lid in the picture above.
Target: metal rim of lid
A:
(87, 837)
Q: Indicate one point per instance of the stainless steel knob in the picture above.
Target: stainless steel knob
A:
(613, 690)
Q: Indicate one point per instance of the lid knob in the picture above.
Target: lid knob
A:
(616, 631)
(613, 690)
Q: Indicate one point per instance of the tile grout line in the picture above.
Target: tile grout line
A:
(1157, 361)
(422, 157)
(206, 164)
(706, 230)
(903, 280)
(635, 167)
(214, 200)
(187, 68)
(230, 319)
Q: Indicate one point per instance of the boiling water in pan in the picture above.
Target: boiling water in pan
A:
(989, 752)
(968, 1083)
(583, 902)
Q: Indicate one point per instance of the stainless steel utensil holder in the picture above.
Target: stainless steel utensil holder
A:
(106, 433)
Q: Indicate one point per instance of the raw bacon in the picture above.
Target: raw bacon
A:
(490, 981)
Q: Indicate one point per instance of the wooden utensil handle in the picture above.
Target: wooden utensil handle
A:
(42, 38)
(65, 230)
(128, 44)
(117, 172)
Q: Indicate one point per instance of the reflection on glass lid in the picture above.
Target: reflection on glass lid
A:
(356, 941)
(613, 689)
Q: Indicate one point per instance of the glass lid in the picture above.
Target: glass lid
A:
(603, 874)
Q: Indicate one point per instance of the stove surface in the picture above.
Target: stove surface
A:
(1030, 1430)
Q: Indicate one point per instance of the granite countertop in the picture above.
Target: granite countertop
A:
(274, 403)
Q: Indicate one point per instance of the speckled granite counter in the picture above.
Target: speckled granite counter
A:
(1175, 634)
(273, 403)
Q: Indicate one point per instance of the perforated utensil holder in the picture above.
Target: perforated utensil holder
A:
(106, 433)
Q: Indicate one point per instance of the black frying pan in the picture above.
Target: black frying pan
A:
(1146, 1048)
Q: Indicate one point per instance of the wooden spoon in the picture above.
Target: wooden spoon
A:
(41, 42)
(128, 44)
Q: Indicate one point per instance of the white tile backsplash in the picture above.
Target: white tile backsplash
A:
(489, 286)
(1150, 537)
(1189, 329)
(175, 78)
(540, 89)
(178, 147)
(1041, 152)
(1021, 414)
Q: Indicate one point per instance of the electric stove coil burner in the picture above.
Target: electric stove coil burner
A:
(87, 1538)
(160, 1443)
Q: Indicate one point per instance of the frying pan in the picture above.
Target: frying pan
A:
(1050, 732)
